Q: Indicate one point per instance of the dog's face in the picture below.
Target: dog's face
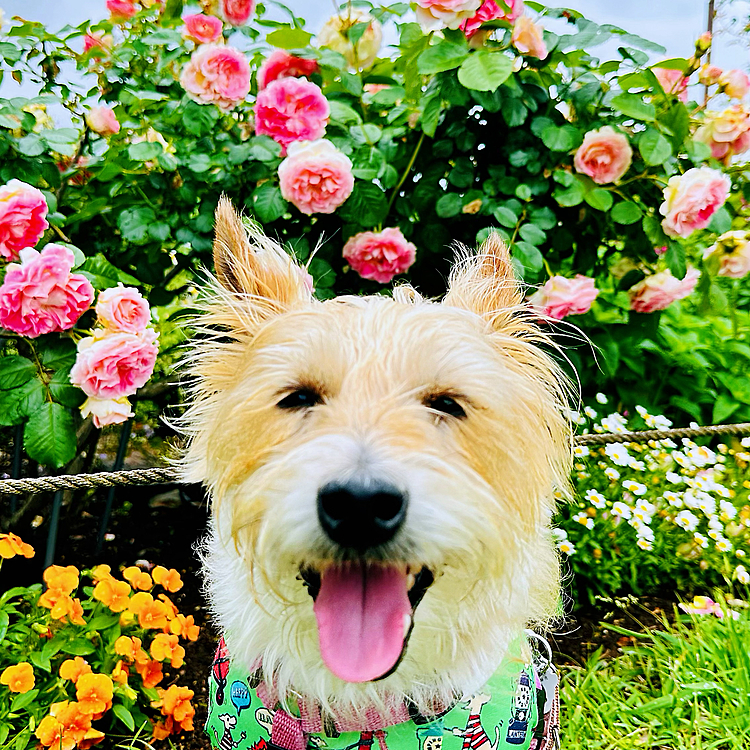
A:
(381, 470)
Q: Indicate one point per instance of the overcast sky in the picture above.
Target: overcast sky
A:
(673, 23)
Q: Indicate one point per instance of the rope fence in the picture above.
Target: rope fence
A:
(166, 475)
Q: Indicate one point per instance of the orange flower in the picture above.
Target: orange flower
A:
(162, 729)
(172, 610)
(91, 738)
(94, 693)
(19, 678)
(175, 702)
(128, 647)
(62, 605)
(138, 578)
(185, 627)
(165, 647)
(12, 545)
(112, 593)
(139, 601)
(120, 672)
(64, 727)
(100, 572)
(72, 669)
(168, 579)
(150, 672)
(151, 614)
(64, 580)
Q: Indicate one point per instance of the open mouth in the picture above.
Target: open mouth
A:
(365, 615)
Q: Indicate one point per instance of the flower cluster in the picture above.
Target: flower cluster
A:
(119, 664)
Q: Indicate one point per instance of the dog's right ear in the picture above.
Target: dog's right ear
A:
(251, 265)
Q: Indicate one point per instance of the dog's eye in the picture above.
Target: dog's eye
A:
(446, 405)
(302, 398)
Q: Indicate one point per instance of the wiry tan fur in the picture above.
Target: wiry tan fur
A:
(480, 489)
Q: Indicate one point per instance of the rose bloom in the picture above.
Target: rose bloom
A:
(123, 309)
(527, 38)
(334, 36)
(734, 83)
(102, 120)
(291, 109)
(691, 199)
(106, 411)
(437, 14)
(316, 177)
(41, 295)
(121, 10)
(672, 81)
(237, 12)
(733, 251)
(114, 365)
(22, 218)
(217, 74)
(491, 11)
(380, 255)
(727, 132)
(605, 155)
(280, 64)
(99, 41)
(660, 290)
(202, 29)
(709, 74)
(561, 297)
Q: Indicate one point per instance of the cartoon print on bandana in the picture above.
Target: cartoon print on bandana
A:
(501, 716)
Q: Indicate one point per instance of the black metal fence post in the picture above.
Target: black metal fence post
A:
(119, 461)
(54, 522)
(15, 469)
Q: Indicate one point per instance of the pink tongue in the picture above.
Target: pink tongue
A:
(361, 613)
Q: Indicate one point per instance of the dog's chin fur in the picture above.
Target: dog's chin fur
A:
(480, 489)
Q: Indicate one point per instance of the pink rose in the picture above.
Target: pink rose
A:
(380, 255)
(709, 74)
(437, 14)
(121, 10)
(605, 155)
(202, 29)
(491, 11)
(41, 295)
(22, 217)
(217, 74)
(122, 309)
(99, 41)
(280, 64)
(107, 410)
(733, 251)
(527, 38)
(114, 365)
(691, 199)
(672, 81)
(734, 83)
(102, 120)
(316, 177)
(727, 132)
(236, 12)
(660, 290)
(291, 109)
(561, 297)
(334, 35)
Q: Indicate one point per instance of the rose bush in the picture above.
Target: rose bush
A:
(619, 197)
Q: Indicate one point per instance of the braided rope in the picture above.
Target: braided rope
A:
(132, 477)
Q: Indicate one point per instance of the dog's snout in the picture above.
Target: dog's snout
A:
(361, 515)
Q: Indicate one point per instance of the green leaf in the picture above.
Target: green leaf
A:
(697, 151)
(368, 163)
(78, 647)
(431, 115)
(720, 222)
(368, 133)
(102, 622)
(268, 203)
(449, 205)
(50, 436)
(105, 274)
(134, 224)
(532, 234)
(674, 63)
(388, 97)
(342, 113)
(675, 257)
(514, 112)
(64, 391)
(4, 622)
(570, 196)
(557, 139)
(505, 216)
(485, 71)
(22, 700)
(654, 232)
(654, 147)
(440, 57)
(288, 38)
(724, 407)
(144, 151)
(199, 119)
(15, 371)
(264, 148)
(367, 205)
(31, 145)
(632, 105)
(544, 218)
(626, 212)
(124, 715)
(599, 198)
(199, 162)
(351, 83)
(529, 256)
(18, 403)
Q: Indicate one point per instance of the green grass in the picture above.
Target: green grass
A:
(687, 686)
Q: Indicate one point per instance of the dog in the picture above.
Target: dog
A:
(382, 473)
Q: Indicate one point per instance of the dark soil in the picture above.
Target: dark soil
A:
(161, 525)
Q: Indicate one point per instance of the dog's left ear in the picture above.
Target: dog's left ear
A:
(253, 266)
(485, 283)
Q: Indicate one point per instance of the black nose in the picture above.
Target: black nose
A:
(361, 515)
